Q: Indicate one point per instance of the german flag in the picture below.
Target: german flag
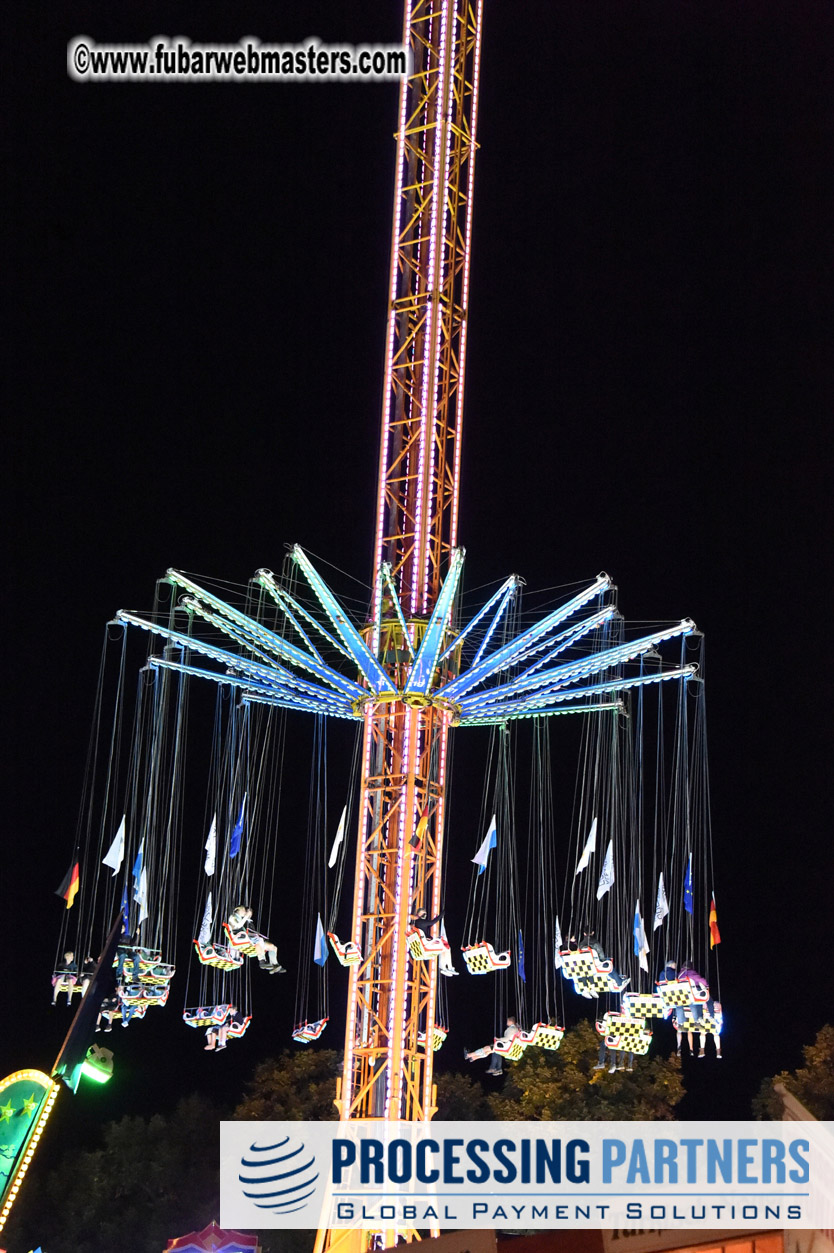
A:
(419, 835)
(714, 933)
(69, 885)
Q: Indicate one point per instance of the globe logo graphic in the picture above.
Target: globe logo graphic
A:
(278, 1177)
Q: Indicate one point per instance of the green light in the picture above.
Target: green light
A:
(98, 1064)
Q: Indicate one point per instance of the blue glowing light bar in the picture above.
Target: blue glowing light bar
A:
(359, 651)
(425, 663)
(530, 641)
(512, 582)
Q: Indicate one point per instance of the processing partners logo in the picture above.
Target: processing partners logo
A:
(280, 1177)
(468, 1175)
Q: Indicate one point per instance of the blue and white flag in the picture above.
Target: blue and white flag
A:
(116, 852)
(320, 949)
(522, 976)
(234, 846)
(606, 878)
(137, 868)
(557, 945)
(590, 845)
(661, 909)
(641, 946)
(489, 843)
(687, 888)
(211, 848)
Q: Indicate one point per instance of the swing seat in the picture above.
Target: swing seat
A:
(309, 1031)
(240, 944)
(422, 947)
(218, 956)
(709, 1024)
(66, 983)
(206, 1015)
(586, 971)
(237, 1029)
(643, 1004)
(544, 1036)
(145, 994)
(438, 1036)
(682, 992)
(512, 1047)
(624, 1033)
(348, 953)
(156, 972)
(482, 959)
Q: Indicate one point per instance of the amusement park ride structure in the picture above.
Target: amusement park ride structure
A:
(413, 670)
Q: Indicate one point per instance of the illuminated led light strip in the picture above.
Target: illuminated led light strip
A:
(476, 70)
(422, 672)
(394, 1050)
(377, 612)
(427, 396)
(385, 572)
(511, 652)
(399, 205)
(236, 633)
(496, 618)
(439, 211)
(561, 676)
(569, 638)
(509, 708)
(266, 580)
(291, 618)
(439, 819)
(366, 819)
(497, 719)
(27, 1149)
(265, 673)
(512, 581)
(362, 655)
(329, 711)
(267, 638)
(270, 694)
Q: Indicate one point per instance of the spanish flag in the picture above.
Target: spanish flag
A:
(69, 885)
(714, 933)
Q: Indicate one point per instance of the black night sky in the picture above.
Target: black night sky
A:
(197, 305)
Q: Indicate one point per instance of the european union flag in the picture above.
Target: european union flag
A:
(234, 847)
(521, 973)
(687, 888)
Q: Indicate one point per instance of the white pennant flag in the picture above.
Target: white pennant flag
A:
(141, 896)
(115, 853)
(606, 878)
(489, 842)
(205, 925)
(590, 845)
(557, 946)
(340, 835)
(211, 847)
(661, 909)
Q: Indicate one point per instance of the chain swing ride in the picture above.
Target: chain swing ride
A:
(407, 669)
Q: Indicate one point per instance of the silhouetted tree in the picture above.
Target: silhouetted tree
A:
(812, 1084)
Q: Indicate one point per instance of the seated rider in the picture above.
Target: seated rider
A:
(216, 1034)
(267, 954)
(590, 941)
(423, 923)
(496, 1060)
(65, 977)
